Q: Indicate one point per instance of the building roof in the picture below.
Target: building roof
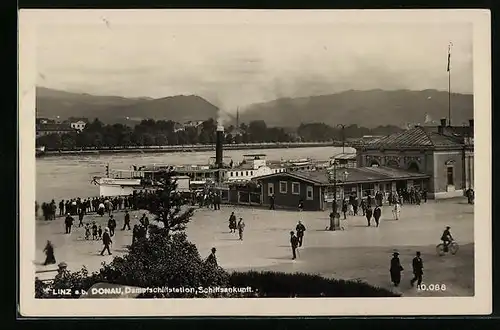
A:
(51, 127)
(75, 119)
(417, 137)
(353, 175)
(344, 156)
(454, 131)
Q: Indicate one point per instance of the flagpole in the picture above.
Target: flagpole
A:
(449, 97)
(449, 83)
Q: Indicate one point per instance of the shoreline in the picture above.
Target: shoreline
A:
(191, 148)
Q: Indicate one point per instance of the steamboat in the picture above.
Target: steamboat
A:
(220, 172)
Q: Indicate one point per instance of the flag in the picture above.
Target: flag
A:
(449, 56)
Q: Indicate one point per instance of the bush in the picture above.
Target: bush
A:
(159, 261)
(282, 285)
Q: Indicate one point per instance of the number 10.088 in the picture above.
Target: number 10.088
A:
(431, 287)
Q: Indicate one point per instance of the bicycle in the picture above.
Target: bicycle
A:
(453, 248)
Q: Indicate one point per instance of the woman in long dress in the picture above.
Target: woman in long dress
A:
(49, 254)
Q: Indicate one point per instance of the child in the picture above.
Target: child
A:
(94, 231)
(87, 231)
(100, 232)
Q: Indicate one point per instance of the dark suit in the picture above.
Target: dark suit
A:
(377, 213)
(418, 266)
(106, 240)
(294, 242)
(368, 214)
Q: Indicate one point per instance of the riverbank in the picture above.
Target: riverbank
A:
(189, 148)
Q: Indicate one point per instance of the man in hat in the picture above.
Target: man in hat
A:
(212, 258)
(68, 222)
(126, 222)
(294, 242)
(62, 267)
(300, 228)
(396, 269)
(111, 225)
(106, 240)
(418, 267)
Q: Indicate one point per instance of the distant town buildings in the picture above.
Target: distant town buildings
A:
(46, 126)
(78, 125)
(53, 128)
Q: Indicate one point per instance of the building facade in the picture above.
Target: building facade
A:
(46, 129)
(444, 153)
(78, 125)
(317, 188)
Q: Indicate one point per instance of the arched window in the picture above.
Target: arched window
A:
(374, 163)
(413, 167)
(393, 163)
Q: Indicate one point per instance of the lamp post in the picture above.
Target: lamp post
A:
(334, 220)
(342, 126)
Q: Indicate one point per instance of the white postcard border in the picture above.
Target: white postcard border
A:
(481, 303)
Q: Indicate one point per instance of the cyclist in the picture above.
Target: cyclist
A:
(446, 238)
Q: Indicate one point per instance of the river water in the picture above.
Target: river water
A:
(62, 177)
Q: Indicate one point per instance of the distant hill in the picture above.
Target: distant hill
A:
(364, 108)
(114, 109)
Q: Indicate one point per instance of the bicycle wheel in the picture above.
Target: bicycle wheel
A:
(440, 249)
(454, 248)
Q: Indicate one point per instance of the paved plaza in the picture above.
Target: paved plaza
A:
(359, 252)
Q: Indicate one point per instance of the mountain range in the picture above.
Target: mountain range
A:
(364, 108)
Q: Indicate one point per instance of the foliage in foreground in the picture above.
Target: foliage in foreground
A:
(282, 285)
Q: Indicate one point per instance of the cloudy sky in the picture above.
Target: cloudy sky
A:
(233, 65)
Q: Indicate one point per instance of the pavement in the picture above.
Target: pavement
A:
(359, 252)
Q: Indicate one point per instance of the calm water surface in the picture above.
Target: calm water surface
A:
(62, 177)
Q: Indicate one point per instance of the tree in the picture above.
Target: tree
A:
(257, 130)
(149, 139)
(161, 140)
(167, 206)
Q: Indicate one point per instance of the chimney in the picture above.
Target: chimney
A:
(442, 126)
(471, 123)
(218, 146)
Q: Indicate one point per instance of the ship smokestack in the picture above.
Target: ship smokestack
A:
(218, 146)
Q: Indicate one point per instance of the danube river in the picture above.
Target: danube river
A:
(70, 176)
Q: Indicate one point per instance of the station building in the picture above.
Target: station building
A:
(444, 153)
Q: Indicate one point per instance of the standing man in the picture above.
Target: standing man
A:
(241, 227)
(396, 269)
(111, 225)
(418, 266)
(106, 240)
(61, 208)
(294, 242)
(300, 232)
(271, 201)
(377, 213)
(369, 214)
(81, 212)
(126, 222)
(68, 223)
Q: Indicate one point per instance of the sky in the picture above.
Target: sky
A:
(234, 65)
